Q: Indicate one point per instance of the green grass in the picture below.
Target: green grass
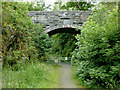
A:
(38, 75)
(0, 79)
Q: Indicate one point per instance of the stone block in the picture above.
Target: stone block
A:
(58, 19)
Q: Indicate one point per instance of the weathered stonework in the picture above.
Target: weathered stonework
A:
(53, 20)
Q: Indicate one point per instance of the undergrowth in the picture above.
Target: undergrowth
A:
(37, 75)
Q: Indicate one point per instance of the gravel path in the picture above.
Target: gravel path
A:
(66, 77)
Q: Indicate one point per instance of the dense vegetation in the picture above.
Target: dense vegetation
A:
(98, 53)
(21, 38)
(16, 33)
(22, 47)
(63, 44)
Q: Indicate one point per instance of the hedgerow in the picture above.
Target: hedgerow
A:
(98, 52)
(21, 38)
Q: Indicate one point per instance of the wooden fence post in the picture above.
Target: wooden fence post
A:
(71, 61)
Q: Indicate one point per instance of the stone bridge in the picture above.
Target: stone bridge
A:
(60, 21)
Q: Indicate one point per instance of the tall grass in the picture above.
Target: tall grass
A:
(37, 75)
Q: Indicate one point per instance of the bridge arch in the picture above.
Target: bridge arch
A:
(60, 21)
(62, 29)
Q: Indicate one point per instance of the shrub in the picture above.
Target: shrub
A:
(98, 52)
(21, 38)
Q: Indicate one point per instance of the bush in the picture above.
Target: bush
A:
(42, 43)
(21, 38)
(16, 33)
(98, 52)
(63, 44)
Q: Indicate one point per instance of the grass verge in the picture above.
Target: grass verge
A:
(37, 75)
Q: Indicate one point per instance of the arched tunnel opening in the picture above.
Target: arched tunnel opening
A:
(63, 41)
(64, 30)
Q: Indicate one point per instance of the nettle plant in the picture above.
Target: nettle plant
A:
(98, 52)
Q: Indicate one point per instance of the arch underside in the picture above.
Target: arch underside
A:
(63, 30)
